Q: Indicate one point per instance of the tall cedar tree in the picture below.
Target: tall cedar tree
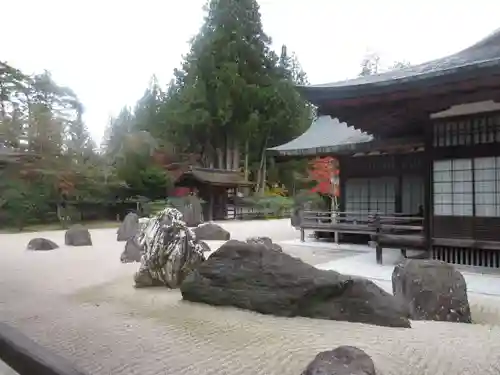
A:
(232, 96)
(231, 87)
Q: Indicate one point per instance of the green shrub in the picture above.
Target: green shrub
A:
(272, 206)
(313, 200)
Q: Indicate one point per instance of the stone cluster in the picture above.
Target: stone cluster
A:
(257, 275)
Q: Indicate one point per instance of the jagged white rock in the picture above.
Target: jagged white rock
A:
(170, 250)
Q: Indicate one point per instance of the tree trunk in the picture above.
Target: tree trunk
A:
(246, 159)
(220, 158)
(229, 154)
(264, 174)
(208, 159)
(236, 156)
(257, 183)
(261, 173)
(2, 104)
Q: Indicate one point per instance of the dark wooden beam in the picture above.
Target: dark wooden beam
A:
(476, 84)
(428, 188)
(27, 357)
(390, 118)
(427, 105)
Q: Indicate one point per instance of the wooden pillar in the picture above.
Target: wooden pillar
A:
(398, 204)
(235, 197)
(223, 194)
(302, 231)
(378, 247)
(210, 203)
(428, 180)
(342, 181)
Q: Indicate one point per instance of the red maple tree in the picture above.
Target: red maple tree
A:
(323, 171)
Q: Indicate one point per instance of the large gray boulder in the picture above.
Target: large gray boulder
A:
(345, 360)
(211, 232)
(129, 227)
(265, 241)
(41, 244)
(132, 252)
(256, 278)
(77, 235)
(431, 290)
(170, 251)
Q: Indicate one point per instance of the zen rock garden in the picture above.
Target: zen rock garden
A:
(257, 275)
(241, 274)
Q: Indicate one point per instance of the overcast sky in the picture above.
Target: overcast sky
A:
(107, 50)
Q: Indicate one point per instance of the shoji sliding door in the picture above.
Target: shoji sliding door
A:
(412, 194)
(371, 195)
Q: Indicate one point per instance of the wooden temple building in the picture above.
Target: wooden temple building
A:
(420, 141)
(214, 187)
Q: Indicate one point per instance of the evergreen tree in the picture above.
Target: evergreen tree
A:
(13, 85)
(231, 94)
(234, 91)
(79, 144)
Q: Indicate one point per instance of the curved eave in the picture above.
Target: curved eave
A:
(325, 135)
(320, 95)
(404, 145)
(479, 60)
(324, 150)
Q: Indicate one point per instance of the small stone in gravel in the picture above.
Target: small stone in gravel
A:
(77, 235)
(129, 228)
(132, 252)
(344, 360)
(211, 232)
(41, 244)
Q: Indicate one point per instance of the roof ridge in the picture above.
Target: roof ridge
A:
(482, 53)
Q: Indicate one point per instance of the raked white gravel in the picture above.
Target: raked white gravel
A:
(80, 302)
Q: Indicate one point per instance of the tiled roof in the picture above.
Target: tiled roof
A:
(218, 177)
(323, 136)
(485, 53)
